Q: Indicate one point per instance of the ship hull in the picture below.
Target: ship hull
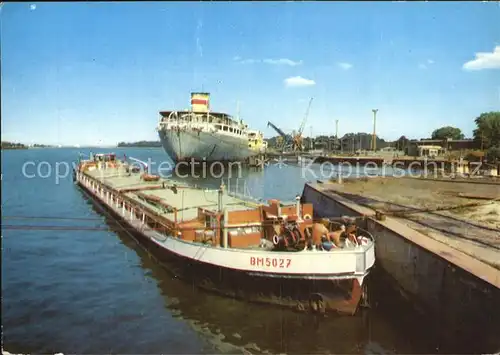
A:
(340, 295)
(203, 146)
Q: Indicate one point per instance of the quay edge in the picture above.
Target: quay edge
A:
(320, 159)
(459, 295)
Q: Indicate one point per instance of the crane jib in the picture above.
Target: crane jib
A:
(296, 138)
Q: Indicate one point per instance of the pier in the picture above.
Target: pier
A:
(333, 159)
(439, 247)
(405, 162)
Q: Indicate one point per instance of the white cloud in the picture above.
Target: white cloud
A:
(33, 7)
(296, 81)
(484, 60)
(422, 66)
(281, 61)
(345, 66)
(430, 61)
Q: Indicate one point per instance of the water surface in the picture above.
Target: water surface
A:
(80, 291)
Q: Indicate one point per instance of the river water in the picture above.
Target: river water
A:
(81, 291)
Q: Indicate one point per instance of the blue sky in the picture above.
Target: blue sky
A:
(79, 73)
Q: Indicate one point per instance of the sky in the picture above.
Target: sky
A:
(89, 73)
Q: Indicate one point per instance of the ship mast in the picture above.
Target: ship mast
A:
(238, 110)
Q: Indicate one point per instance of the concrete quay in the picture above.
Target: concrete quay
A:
(379, 160)
(375, 161)
(439, 248)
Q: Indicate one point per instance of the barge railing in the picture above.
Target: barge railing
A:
(108, 194)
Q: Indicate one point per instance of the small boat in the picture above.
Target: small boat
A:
(270, 252)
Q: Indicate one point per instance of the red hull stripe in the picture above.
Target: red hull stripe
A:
(199, 102)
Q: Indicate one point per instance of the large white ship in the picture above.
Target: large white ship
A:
(201, 135)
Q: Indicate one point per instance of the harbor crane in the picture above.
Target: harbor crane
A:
(295, 143)
(282, 139)
(297, 137)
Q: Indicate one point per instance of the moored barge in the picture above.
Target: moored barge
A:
(271, 253)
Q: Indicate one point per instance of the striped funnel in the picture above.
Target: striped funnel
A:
(200, 101)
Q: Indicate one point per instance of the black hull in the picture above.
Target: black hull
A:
(341, 296)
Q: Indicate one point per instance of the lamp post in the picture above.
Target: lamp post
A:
(374, 137)
(337, 136)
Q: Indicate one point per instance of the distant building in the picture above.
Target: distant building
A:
(430, 151)
(324, 143)
(437, 147)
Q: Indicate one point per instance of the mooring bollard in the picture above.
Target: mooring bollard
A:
(379, 216)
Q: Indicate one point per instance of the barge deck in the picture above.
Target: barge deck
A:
(185, 199)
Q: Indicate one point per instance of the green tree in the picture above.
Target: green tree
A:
(488, 129)
(402, 143)
(447, 132)
(493, 154)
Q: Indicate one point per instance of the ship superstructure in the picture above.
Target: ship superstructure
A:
(202, 135)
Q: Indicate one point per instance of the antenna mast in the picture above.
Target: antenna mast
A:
(374, 137)
(238, 109)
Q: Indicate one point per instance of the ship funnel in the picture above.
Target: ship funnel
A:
(200, 102)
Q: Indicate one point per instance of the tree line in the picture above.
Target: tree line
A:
(487, 130)
(486, 134)
(141, 144)
(11, 145)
